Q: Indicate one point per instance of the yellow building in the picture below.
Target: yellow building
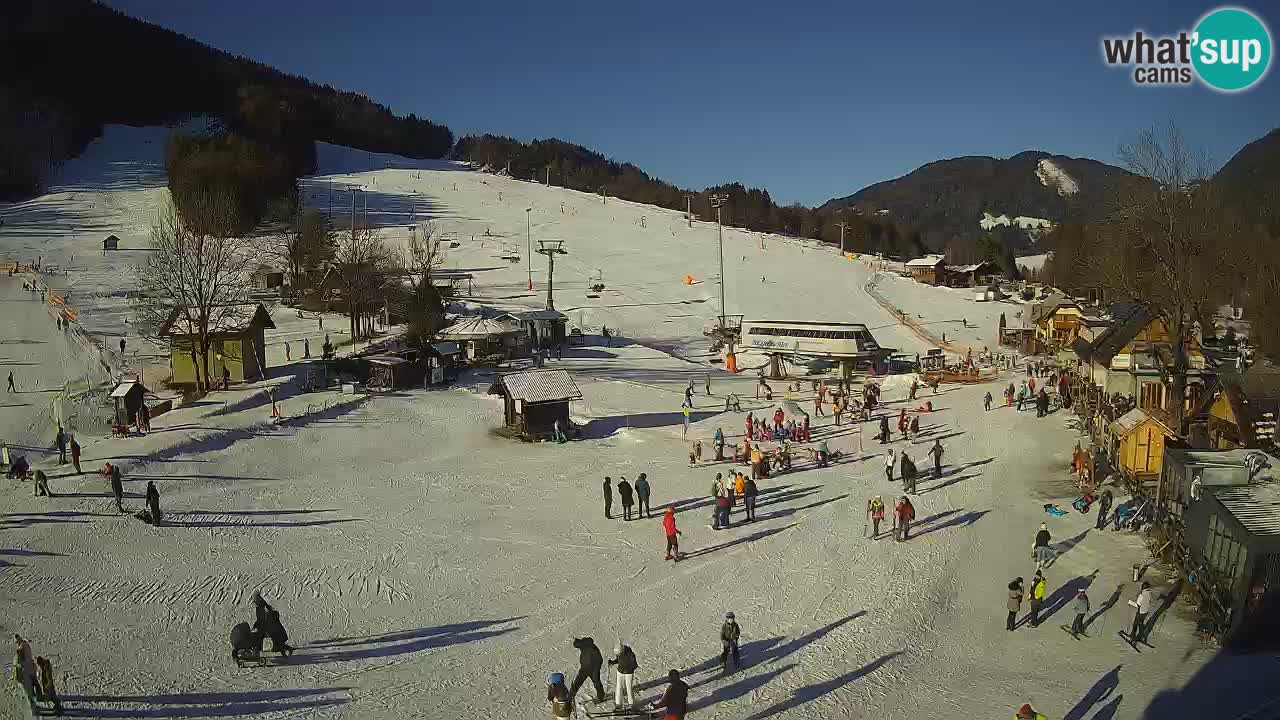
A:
(237, 343)
(1057, 322)
(1137, 444)
(1243, 409)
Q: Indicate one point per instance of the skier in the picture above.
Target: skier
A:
(888, 464)
(1104, 507)
(669, 529)
(875, 508)
(749, 492)
(642, 495)
(1036, 596)
(1043, 554)
(936, 451)
(1015, 603)
(884, 429)
(625, 659)
(589, 662)
(60, 441)
(676, 698)
(1079, 606)
(153, 503)
(117, 487)
(624, 491)
(904, 513)
(729, 634)
(1026, 712)
(1142, 607)
(608, 497)
(558, 696)
(986, 401)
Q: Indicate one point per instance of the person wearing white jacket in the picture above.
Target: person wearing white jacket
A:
(889, 459)
(1142, 605)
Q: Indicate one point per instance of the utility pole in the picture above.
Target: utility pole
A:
(717, 202)
(529, 240)
(548, 176)
(843, 226)
(688, 204)
(551, 248)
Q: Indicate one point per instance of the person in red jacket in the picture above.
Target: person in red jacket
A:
(902, 422)
(904, 513)
(669, 527)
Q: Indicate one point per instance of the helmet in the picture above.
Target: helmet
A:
(555, 678)
(728, 615)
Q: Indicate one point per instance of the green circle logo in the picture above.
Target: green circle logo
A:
(1231, 49)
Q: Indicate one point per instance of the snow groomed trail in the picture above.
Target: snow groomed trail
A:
(426, 567)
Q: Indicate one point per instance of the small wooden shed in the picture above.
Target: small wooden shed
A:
(386, 372)
(238, 345)
(1137, 444)
(535, 400)
(128, 397)
(111, 243)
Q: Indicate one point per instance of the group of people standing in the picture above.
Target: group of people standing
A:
(35, 676)
(725, 495)
(631, 496)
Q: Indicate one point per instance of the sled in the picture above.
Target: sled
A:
(1054, 510)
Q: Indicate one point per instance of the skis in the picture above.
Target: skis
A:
(1133, 642)
(638, 711)
(1067, 629)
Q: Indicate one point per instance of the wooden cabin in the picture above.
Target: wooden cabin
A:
(1137, 444)
(110, 243)
(1240, 409)
(535, 400)
(930, 270)
(238, 343)
(128, 397)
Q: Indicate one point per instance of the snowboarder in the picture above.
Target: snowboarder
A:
(888, 464)
(1079, 606)
(589, 663)
(1015, 603)
(60, 441)
(624, 491)
(936, 451)
(642, 495)
(153, 503)
(625, 660)
(558, 696)
(749, 492)
(875, 509)
(904, 513)
(1041, 551)
(608, 497)
(729, 634)
(986, 401)
(1036, 596)
(676, 698)
(44, 675)
(1142, 607)
(669, 529)
(1104, 507)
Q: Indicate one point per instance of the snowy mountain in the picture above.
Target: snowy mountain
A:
(962, 197)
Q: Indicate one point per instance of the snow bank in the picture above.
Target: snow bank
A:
(1051, 175)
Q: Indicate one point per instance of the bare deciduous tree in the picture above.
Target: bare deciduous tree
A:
(194, 280)
(305, 246)
(424, 256)
(362, 261)
(1164, 244)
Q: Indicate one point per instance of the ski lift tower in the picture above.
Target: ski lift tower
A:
(551, 248)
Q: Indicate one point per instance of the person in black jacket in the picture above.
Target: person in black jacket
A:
(625, 659)
(884, 429)
(267, 622)
(589, 663)
(729, 634)
(642, 496)
(676, 698)
(749, 492)
(608, 497)
(153, 503)
(624, 491)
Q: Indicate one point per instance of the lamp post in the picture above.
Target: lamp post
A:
(843, 226)
(528, 219)
(717, 202)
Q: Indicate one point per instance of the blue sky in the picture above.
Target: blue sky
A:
(808, 99)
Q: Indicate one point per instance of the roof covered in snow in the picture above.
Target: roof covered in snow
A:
(1256, 506)
(535, 386)
(926, 261)
(232, 318)
(476, 328)
(542, 315)
(1133, 419)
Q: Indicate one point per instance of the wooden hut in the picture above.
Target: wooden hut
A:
(485, 338)
(930, 269)
(386, 372)
(128, 398)
(546, 328)
(237, 334)
(535, 400)
(110, 243)
(1137, 443)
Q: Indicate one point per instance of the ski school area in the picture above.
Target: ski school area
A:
(885, 546)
